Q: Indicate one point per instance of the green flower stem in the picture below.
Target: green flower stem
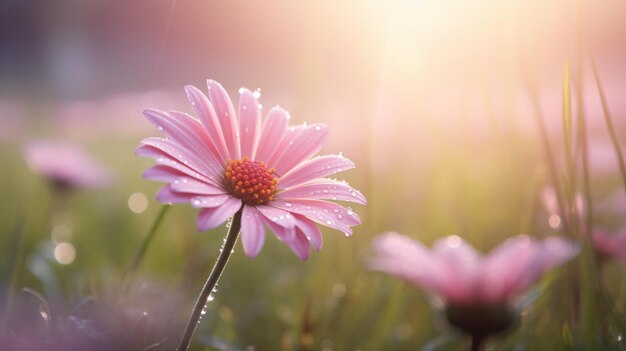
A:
(552, 168)
(476, 344)
(144, 246)
(589, 286)
(609, 124)
(209, 285)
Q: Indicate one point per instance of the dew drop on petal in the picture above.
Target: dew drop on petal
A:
(453, 241)
(523, 241)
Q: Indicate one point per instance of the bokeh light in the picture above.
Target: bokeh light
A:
(138, 202)
(64, 253)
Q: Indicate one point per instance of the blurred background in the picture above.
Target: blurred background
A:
(433, 100)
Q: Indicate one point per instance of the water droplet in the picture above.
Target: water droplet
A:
(160, 127)
(350, 213)
(288, 204)
(241, 90)
(257, 93)
(339, 216)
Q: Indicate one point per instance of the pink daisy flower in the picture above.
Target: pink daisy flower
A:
(223, 162)
(65, 165)
(610, 246)
(477, 290)
(457, 273)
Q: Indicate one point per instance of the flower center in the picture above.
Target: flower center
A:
(250, 181)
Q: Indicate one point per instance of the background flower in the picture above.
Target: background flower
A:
(66, 165)
(454, 271)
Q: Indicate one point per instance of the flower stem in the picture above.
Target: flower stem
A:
(209, 285)
(128, 277)
(476, 343)
(550, 159)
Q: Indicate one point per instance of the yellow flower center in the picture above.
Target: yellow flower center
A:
(250, 181)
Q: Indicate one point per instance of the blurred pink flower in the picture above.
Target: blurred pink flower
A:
(65, 165)
(610, 246)
(225, 161)
(454, 271)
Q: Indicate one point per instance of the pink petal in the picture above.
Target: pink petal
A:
(324, 189)
(167, 196)
(208, 167)
(281, 222)
(162, 173)
(280, 217)
(193, 186)
(209, 201)
(317, 167)
(272, 133)
(300, 245)
(553, 252)
(289, 137)
(461, 265)
(249, 122)
(209, 218)
(326, 213)
(310, 230)
(305, 144)
(408, 259)
(207, 115)
(518, 262)
(283, 234)
(185, 131)
(226, 115)
(252, 231)
(164, 163)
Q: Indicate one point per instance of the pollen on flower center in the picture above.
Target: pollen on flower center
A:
(251, 181)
